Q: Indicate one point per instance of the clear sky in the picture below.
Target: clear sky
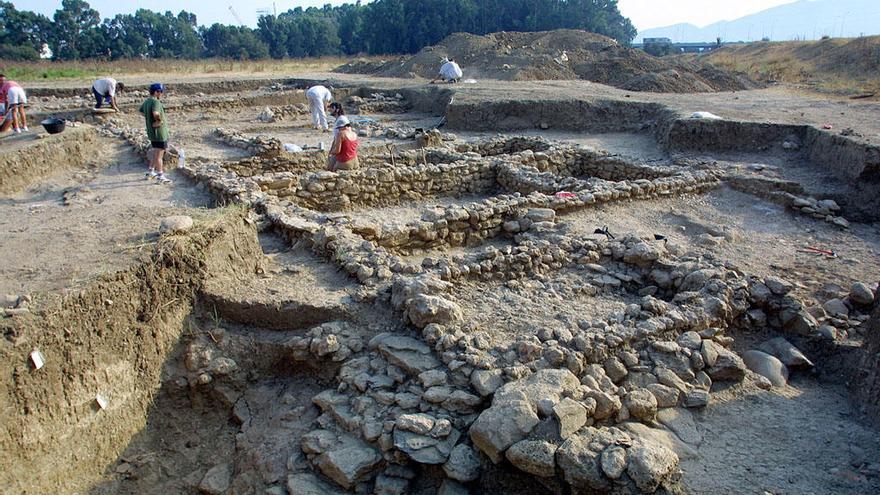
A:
(644, 13)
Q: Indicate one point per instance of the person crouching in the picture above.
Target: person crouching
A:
(343, 152)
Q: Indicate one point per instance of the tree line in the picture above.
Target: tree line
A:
(76, 31)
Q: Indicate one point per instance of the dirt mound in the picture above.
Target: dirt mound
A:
(557, 55)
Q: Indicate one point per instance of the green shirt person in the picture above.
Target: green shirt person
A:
(157, 132)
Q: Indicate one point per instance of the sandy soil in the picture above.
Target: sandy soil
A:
(81, 224)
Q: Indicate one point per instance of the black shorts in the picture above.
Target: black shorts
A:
(159, 145)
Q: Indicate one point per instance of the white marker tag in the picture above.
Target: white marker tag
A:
(37, 359)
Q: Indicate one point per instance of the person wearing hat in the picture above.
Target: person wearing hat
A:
(319, 96)
(450, 71)
(157, 132)
(104, 90)
(343, 152)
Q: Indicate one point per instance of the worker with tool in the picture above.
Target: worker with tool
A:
(319, 97)
(13, 97)
(105, 90)
(449, 72)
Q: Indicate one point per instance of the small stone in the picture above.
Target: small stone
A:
(349, 465)
(175, 224)
(829, 332)
(767, 366)
(535, 457)
(499, 427)
(666, 396)
(778, 286)
(615, 369)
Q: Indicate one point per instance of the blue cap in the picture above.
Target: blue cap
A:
(157, 87)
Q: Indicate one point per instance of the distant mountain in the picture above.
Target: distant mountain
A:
(805, 19)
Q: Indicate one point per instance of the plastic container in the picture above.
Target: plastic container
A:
(53, 125)
(181, 158)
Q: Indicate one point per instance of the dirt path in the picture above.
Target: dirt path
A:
(80, 224)
(798, 440)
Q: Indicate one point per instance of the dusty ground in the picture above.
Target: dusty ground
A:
(803, 438)
(77, 225)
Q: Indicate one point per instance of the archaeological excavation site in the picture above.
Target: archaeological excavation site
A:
(527, 287)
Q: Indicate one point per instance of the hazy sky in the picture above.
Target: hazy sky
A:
(644, 13)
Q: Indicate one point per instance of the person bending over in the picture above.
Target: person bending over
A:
(12, 95)
(450, 72)
(105, 90)
(319, 96)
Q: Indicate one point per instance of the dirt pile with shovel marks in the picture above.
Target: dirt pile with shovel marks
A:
(558, 55)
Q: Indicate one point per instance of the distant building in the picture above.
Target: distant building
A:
(657, 41)
(45, 52)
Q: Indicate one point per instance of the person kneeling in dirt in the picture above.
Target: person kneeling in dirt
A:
(449, 72)
(157, 132)
(319, 96)
(343, 152)
(104, 90)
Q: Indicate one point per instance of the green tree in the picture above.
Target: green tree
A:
(73, 31)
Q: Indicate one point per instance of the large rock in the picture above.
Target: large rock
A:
(650, 465)
(349, 465)
(175, 224)
(216, 480)
(767, 366)
(309, 484)
(570, 415)
(486, 382)
(579, 458)
(535, 457)
(613, 461)
(786, 352)
(836, 307)
(548, 384)
(463, 464)
(798, 322)
(681, 422)
(642, 404)
(861, 294)
(728, 366)
(424, 310)
(412, 355)
(501, 426)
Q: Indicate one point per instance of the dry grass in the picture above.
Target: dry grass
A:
(44, 71)
(839, 66)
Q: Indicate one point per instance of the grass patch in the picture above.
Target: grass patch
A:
(836, 66)
(49, 71)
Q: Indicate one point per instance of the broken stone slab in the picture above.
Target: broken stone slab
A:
(349, 465)
(412, 355)
(786, 352)
(425, 449)
(767, 366)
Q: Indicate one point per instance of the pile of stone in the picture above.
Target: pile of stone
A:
(282, 113)
(263, 146)
(825, 209)
(377, 103)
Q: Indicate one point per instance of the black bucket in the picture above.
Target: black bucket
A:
(53, 125)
